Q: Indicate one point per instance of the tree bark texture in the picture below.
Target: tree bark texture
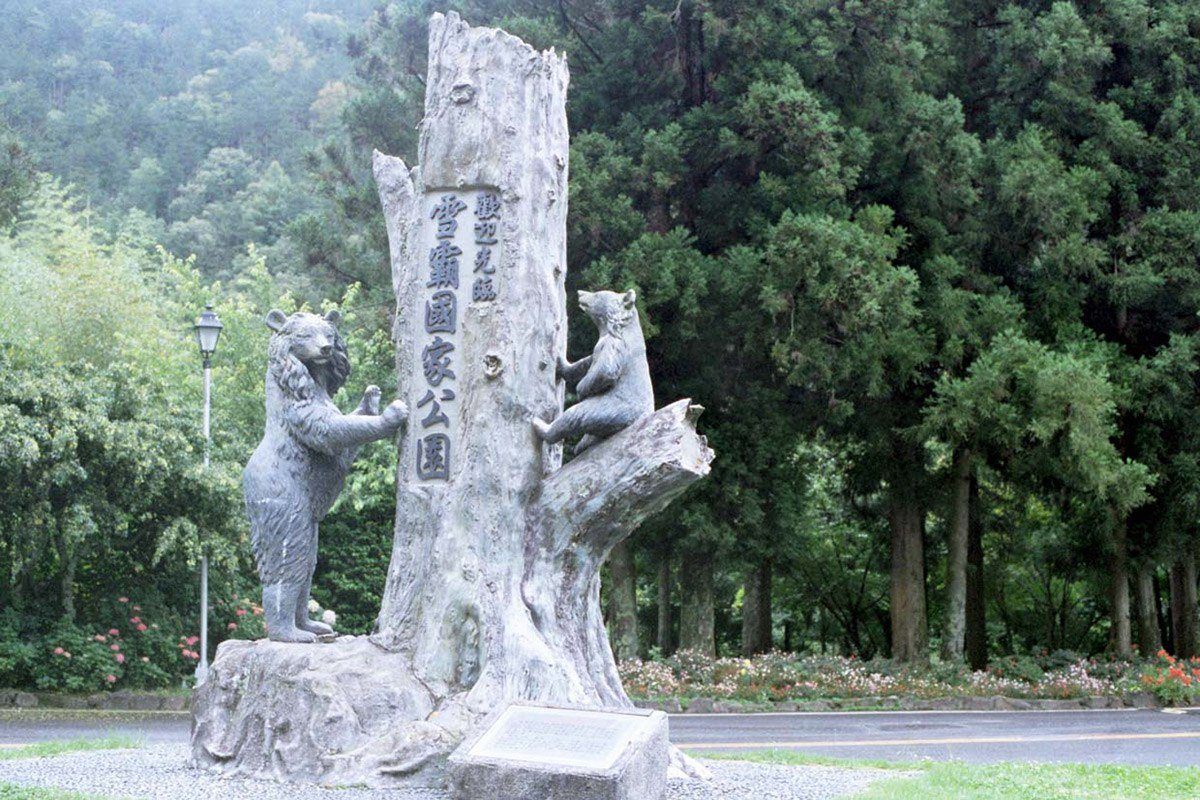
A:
(906, 518)
(1147, 613)
(665, 640)
(1120, 636)
(623, 603)
(697, 626)
(1183, 602)
(975, 636)
(958, 539)
(493, 591)
(756, 610)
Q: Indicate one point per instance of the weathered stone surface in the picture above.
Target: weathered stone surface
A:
(536, 753)
(174, 703)
(978, 703)
(336, 713)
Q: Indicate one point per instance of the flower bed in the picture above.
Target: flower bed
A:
(776, 677)
(125, 648)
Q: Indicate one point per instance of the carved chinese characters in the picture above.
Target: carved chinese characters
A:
(463, 230)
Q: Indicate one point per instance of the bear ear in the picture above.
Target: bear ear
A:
(276, 319)
(629, 298)
(333, 317)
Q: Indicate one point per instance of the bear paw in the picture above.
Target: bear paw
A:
(312, 626)
(292, 634)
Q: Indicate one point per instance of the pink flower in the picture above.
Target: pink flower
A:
(100, 637)
(113, 632)
(195, 655)
(233, 626)
(123, 599)
(111, 678)
(120, 658)
(58, 651)
(141, 627)
(241, 612)
(114, 647)
(137, 608)
(135, 620)
(191, 640)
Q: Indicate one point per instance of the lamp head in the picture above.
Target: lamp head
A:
(208, 331)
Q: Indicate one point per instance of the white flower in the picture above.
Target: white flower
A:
(313, 606)
(329, 618)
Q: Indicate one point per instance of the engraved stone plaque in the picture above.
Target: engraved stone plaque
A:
(528, 752)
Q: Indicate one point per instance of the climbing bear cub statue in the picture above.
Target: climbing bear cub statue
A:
(613, 382)
(298, 469)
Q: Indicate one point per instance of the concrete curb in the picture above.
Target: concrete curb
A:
(707, 705)
(98, 701)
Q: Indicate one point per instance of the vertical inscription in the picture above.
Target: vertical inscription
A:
(457, 237)
(487, 217)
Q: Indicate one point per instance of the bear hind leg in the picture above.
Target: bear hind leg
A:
(279, 606)
(572, 422)
(302, 620)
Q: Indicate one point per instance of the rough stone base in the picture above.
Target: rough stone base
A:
(343, 713)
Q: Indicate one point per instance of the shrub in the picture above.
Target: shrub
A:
(16, 656)
(1174, 681)
(70, 659)
(1022, 668)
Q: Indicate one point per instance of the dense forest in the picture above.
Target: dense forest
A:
(933, 269)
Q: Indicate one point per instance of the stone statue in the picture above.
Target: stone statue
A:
(298, 469)
(493, 591)
(613, 383)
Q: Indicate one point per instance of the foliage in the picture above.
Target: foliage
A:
(787, 676)
(868, 238)
(1174, 681)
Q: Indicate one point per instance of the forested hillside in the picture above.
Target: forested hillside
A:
(932, 267)
(198, 114)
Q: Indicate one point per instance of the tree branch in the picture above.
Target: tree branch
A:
(598, 499)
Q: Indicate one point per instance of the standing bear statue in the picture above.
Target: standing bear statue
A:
(613, 383)
(298, 469)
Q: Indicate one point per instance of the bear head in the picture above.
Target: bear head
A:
(306, 350)
(611, 311)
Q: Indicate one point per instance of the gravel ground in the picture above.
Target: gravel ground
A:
(160, 771)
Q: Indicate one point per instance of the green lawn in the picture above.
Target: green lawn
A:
(1004, 781)
(55, 748)
(10, 792)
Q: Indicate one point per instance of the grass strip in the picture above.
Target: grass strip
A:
(10, 791)
(957, 780)
(60, 746)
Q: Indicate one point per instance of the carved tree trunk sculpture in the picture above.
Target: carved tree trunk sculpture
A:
(493, 590)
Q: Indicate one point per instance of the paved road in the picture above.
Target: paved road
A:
(1126, 737)
(1129, 737)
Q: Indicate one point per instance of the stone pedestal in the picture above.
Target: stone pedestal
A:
(346, 712)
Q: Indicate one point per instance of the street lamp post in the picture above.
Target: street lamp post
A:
(208, 330)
